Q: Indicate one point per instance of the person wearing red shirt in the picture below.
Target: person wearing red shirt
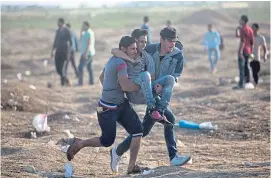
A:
(245, 33)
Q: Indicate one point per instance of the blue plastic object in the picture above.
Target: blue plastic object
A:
(68, 170)
(188, 125)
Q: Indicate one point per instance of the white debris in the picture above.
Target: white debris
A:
(26, 98)
(20, 76)
(145, 172)
(33, 135)
(66, 116)
(64, 148)
(40, 123)
(76, 119)
(5, 81)
(45, 63)
(249, 86)
(27, 73)
(32, 87)
(236, 79)
(11, 94)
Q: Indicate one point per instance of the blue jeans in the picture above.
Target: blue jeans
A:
(85, 62)
(146, 87)
(147, 124)
(244, 74)
(213, 61)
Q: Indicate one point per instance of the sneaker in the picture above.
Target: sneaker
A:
(237, 87)
(114, 160)
(179, 160)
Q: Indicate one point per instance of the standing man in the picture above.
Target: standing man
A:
(114, 107)
(73, 49)
(246, 35)
(259, 43)
(168, 60)
(145, 26)
(87, 40)
(211, 44)
(61, 48)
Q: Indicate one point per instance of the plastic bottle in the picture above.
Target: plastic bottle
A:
(68, 170)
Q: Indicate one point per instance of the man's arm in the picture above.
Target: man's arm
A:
(264, 49)
(242, 44)
(125, 83)
(87, 46)
(54, 45)
(120, 54)
(179, 66)
(218, 39)
(101, 77)
(237, 32)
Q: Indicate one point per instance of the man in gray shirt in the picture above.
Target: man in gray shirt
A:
(114, 107)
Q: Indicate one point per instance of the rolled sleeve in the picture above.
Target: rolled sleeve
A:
(122, 69)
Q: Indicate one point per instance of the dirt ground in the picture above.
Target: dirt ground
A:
(242, 116)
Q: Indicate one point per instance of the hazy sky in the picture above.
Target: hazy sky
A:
(67, 3)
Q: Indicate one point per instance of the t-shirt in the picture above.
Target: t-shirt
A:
(247, 37)
(212, 39)
(84, 40)
(259, 41)
(63, 36)
(112, 92)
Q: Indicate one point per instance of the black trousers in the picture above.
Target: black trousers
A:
(256, 67)
(61, 62)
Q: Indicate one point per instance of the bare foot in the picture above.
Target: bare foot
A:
(74, 148)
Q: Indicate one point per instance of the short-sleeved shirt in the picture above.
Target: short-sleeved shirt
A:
(63, 36)
(247, 37)
(84, 40)
(259, 41)
(112, 92)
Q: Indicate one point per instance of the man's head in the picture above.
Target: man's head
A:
(141, 38)
(255, 28)
(243, 20)
(68, 25)
(146, 19)
(128, 46)
(210, 27)
(168, 38)
(60, 22)
(168, 23)
(85, 25)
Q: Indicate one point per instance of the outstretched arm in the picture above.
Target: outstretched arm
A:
(120, 54)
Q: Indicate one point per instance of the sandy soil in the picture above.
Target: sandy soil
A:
(242, 116)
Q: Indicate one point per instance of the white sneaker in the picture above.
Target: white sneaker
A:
(114, 160)
(179, 160)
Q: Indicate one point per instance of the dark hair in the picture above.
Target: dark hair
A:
(86, 23)
(61, 20)
(68, 25)
(126, 41)
(255, 25)
(146, 19)
(139, 32)
(244, 18)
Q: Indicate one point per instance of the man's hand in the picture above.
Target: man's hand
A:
(52, 55)
(241, 56)
(158, 88)
(85, 56)
(265, 58)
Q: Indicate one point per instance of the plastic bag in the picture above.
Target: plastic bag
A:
(40, 123)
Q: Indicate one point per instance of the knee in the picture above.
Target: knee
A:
(145, 75)
(107, 141)
(170, 79)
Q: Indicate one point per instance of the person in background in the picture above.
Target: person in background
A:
(168, 23)
(73, 49)
(211, 44)
(246, 35)
(87, 40)
(61, 51)
(260, 43)
(145, 26)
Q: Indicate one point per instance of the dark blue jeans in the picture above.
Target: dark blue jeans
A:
(85, 62)
(244, 75)
(147, 124)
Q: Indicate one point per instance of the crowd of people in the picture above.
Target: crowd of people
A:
(141, 72)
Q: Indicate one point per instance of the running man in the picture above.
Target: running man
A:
(260, 43)
(141, 72)
(168, 60)
(114, 107)
(211, 44)
(61, 48)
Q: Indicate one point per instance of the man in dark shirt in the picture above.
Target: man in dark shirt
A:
(246, 35)
(62, 47)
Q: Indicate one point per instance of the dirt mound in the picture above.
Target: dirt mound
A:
(21, 97)
(204, 17)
